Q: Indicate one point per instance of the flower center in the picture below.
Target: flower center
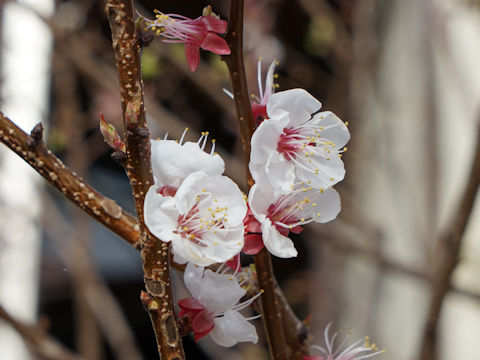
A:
(286, 212)
(203, 217)
(304, 146)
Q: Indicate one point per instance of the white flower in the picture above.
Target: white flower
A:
(204, 219)
(280, 213)
(173, 161)
(299, 142)
(359, 350)
(214, 308)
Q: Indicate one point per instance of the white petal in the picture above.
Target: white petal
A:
(165, 170)
(334, 129)
(219, 292)
(193, 279)
(330, 171)
(223, 244)
(327, 205)
(264, 145)
(297, 102)
(275, 242)
(200, 160)
(160, 215)
(233, 328)
(179, 259)
(260, 198)
(172, 162)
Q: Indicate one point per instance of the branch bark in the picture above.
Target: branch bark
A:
(447, 257)
(158, 298)
(32, 149)
(41, 343)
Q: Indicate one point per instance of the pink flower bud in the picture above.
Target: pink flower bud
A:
(110, 135)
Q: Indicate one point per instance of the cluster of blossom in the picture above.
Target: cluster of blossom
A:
(295, 160)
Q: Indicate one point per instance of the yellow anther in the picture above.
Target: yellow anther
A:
(204, 190)
(215, 243)
(331, 179)
(346, 123)
(185, 228)
(345, 148)
(318, 214)
(314, 204)
(302, 219)
(275, 76)
(214, 140)
(322, 190)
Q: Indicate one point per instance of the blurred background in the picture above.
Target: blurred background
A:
(403, 73)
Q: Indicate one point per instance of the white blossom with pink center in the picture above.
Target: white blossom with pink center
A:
(298, 142)
(214, 308)
(173, 161)
(279, 213)
(362, 349)
(203, 220)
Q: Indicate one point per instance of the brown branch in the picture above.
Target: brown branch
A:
(238, 78)
(41, 343)
(155, 253)
(33, 151)
(271, 307)
(447, 257)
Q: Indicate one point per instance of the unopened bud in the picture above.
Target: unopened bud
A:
(110, 135)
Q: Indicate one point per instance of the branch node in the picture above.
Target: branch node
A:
(36, 136)
(119, 157)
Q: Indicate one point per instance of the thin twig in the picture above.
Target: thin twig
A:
(102, 209)
(155, 254)
(271, 307)
(41, 343)
(447, 257)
